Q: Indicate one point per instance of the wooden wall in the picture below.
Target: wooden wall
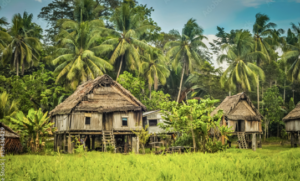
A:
(293, 125)
(78, 121)
(251, 126)
(99, 121)
(134, 119)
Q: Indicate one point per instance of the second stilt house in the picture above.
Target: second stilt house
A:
(100, 114)
(244, 119)
(292, 125)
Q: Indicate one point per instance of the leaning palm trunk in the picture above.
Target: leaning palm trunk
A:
(182, 73)
(120, 67)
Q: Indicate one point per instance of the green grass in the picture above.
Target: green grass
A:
(269, 163)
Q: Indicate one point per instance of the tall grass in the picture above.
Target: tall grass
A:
(271, 163)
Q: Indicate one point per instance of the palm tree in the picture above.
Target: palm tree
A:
(261, 29)
(292, 55)
(7, 108)
(77, 50)
(23, 49)
(184, 52)
(154, 68)
(241, 72)
(128, 27)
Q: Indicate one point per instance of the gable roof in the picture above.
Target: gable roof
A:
(9, 133)
(294, 114)
(238, 107)
(149, 112)
(82, 98)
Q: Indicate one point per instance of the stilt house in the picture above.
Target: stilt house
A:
(152, 118)
(99, 113)
(12, 143)
(292, 125)
(243, 118)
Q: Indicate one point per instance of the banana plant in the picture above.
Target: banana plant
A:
(35, 127)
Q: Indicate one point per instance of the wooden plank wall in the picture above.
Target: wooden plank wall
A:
(293, 125)
(134, 120)
(251, 126)
(78, 121)
(232, 124)
(62, 122)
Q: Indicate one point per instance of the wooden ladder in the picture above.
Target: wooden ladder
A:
(108, 138)
(242, 143)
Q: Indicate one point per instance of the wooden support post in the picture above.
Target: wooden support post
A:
(90, 146)
(254, 141)
(65, 144)
(55, 149)
(223, 137)
(292, 139)
(93, 142)
(69, 144)
(298, 138)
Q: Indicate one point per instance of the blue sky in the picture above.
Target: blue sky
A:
(173, 14)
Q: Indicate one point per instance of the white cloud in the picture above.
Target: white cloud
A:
(256, 3)
(39, 1)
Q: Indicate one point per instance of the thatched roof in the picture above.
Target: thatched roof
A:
(294, 114)
(102, 94)
(238, 107)
(9, 133)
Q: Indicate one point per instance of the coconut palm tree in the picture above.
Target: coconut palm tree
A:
(261, 29)
(292, 55)
(184, 52)
(241, 72)
(154, 68)
(78, 61)
(23, 49)
(128, 28)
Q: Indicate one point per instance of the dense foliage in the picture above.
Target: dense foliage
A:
(88, 38)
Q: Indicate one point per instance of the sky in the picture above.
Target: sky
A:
(173, 14)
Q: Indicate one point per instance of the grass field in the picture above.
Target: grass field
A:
(269, 163)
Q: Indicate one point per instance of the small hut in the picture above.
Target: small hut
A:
(12, 143)
(240, 114)
(152, 118)
(292, 125)
(100, 113)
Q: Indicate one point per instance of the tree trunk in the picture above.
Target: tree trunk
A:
(182, 73)
(150, 91)
(265, 136)
(16, 62)
(229, 93)
(194, 141)
(284, 87)
(120, 67)
(278, 128)
(143, 146)
(258, 93)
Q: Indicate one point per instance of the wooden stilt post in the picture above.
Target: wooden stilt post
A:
(55, 149)
(65, 143)
(254, 141)
(223, 137)
(292, 139)
(93, 142)
(90, 146)
(298, 138)
(69, 144)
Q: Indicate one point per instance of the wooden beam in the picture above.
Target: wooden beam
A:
(223, 137)
(69, 144)
(254, 142)
(65, 143)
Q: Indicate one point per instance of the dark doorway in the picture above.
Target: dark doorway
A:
(238, 127)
